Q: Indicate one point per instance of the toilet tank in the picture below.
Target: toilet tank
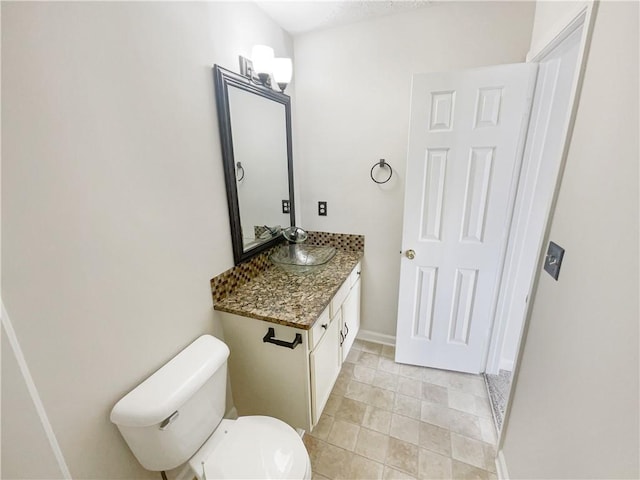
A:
(168, 417)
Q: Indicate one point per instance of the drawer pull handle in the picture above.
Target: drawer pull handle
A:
(341, 338)
(346, 327)
(269, 338)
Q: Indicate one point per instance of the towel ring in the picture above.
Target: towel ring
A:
(239, 168)
(382, 164)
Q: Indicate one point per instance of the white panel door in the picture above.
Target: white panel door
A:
(464, 154)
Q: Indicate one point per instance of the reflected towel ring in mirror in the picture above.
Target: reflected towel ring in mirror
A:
(239, 171)
(382, 164)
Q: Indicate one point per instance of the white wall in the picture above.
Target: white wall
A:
(575, 406)
(114, 214)
(352, 108)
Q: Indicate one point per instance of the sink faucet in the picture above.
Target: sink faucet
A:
(294, 234)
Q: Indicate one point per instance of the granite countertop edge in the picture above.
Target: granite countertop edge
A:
(291, 299)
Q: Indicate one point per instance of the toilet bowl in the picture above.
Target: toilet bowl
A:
(176, 416)
(275, 450)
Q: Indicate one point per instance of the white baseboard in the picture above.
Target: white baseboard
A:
(376, 337)
(506, 364)
(501, 466)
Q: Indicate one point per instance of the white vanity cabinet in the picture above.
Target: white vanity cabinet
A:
(292, 384)
(346, 304)
(350, 318)
(325, 361)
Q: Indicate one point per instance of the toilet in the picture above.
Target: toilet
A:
(176, 416)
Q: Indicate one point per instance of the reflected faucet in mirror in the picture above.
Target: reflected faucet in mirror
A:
(269, 232)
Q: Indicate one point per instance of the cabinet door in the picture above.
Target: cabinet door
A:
(350, 318)
(325, 365)
(268, 379)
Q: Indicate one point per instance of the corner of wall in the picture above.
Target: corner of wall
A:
(563, 13)
(55, 452)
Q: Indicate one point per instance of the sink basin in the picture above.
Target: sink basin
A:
(302, 255)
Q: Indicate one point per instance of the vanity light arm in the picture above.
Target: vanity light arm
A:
(246, 70)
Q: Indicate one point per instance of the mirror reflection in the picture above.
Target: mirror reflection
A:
(255, 134)
(260, 153)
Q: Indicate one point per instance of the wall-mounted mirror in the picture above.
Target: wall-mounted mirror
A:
(255, 134)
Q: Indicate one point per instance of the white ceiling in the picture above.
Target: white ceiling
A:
(301, 16)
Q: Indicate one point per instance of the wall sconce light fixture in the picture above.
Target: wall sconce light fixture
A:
(282, 72)
(263, 64)
(262, 58)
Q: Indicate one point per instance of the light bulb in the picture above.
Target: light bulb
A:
(282, 72)
(262, 58)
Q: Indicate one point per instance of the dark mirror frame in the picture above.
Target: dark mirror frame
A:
(224, 79)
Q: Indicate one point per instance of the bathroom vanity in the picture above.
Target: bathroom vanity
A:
(288, 335)
(288, 331)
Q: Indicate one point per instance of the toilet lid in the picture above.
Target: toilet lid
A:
(252, 447)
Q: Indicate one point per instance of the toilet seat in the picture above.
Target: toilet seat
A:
(252, 447)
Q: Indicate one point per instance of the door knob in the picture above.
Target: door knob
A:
(410, 254)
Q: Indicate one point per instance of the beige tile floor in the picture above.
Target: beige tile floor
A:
(393, 421)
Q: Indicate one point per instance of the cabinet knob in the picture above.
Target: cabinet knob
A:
(325, 325)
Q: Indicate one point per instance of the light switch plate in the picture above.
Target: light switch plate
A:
(553, 260)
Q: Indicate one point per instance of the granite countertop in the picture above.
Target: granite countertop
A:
(291, 299)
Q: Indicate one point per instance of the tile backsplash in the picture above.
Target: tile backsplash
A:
(343, 241)
(225, 283)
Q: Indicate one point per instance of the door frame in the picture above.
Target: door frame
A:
(513, 268)
(582, 17)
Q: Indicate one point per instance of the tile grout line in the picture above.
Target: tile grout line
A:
(374, 362)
